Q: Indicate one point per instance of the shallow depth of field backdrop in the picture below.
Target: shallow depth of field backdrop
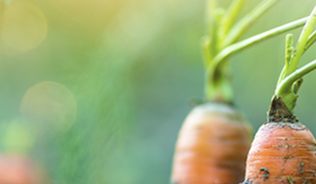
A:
(96, 90)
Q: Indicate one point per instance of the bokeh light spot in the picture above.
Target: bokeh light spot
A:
(24, 26)
(49, 104)
(16, 137)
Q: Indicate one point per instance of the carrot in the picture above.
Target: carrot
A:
(215, 138)
(20, 170)
(212, 146)
(284, 150)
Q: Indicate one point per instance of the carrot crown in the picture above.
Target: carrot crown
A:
(290, 78)
(220, 42)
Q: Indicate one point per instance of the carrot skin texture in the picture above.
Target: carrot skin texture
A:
(212, 146)
(282, 153)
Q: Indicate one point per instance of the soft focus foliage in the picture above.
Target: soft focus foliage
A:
(96, 90)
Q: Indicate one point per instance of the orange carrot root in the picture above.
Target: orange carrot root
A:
(212, 146)
(282, 153)
(20, 170)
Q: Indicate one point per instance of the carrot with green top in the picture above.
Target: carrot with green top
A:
(215, 138)
(284, 150)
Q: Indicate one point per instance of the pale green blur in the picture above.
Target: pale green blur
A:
(119, 76)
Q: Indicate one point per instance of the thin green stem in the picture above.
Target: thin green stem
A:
(311, 40)
(219, 88)
(231, 14)
(286, 83)
(205, 43)
(299, 49)
(289, 49)
(211, 26)
(245, 23)
(214, 24)
(255, 39)
(211, 6)
(296, 85)
(290, 78)
(210, 9)
(218, 34)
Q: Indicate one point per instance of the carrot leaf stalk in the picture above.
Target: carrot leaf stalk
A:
(211, 6)
(291, 78)
(289, 86)
(220, 26)
(231, 14)
(256, 39)
(310, 41)
(245, 23)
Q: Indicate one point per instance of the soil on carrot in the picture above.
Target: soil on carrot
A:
(279, 112)
(282, 156)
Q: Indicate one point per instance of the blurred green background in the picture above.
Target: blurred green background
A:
(96, 90)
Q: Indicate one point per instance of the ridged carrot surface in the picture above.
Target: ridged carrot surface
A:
(212, 146)
(282, 153)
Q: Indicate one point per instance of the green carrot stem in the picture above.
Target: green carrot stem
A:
(285, 89)
(290, 78)
(286, 83)
(220, 87)
(289, 49)
(296, 85)
(255, 39)
(218, 84)
(206, 45)
(245, 23)
(299, 49)
(311, 40)
(214, 27)
(231, 14)
(211, 6)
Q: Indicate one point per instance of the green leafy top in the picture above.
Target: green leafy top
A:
(221, 41)
(290, 78)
